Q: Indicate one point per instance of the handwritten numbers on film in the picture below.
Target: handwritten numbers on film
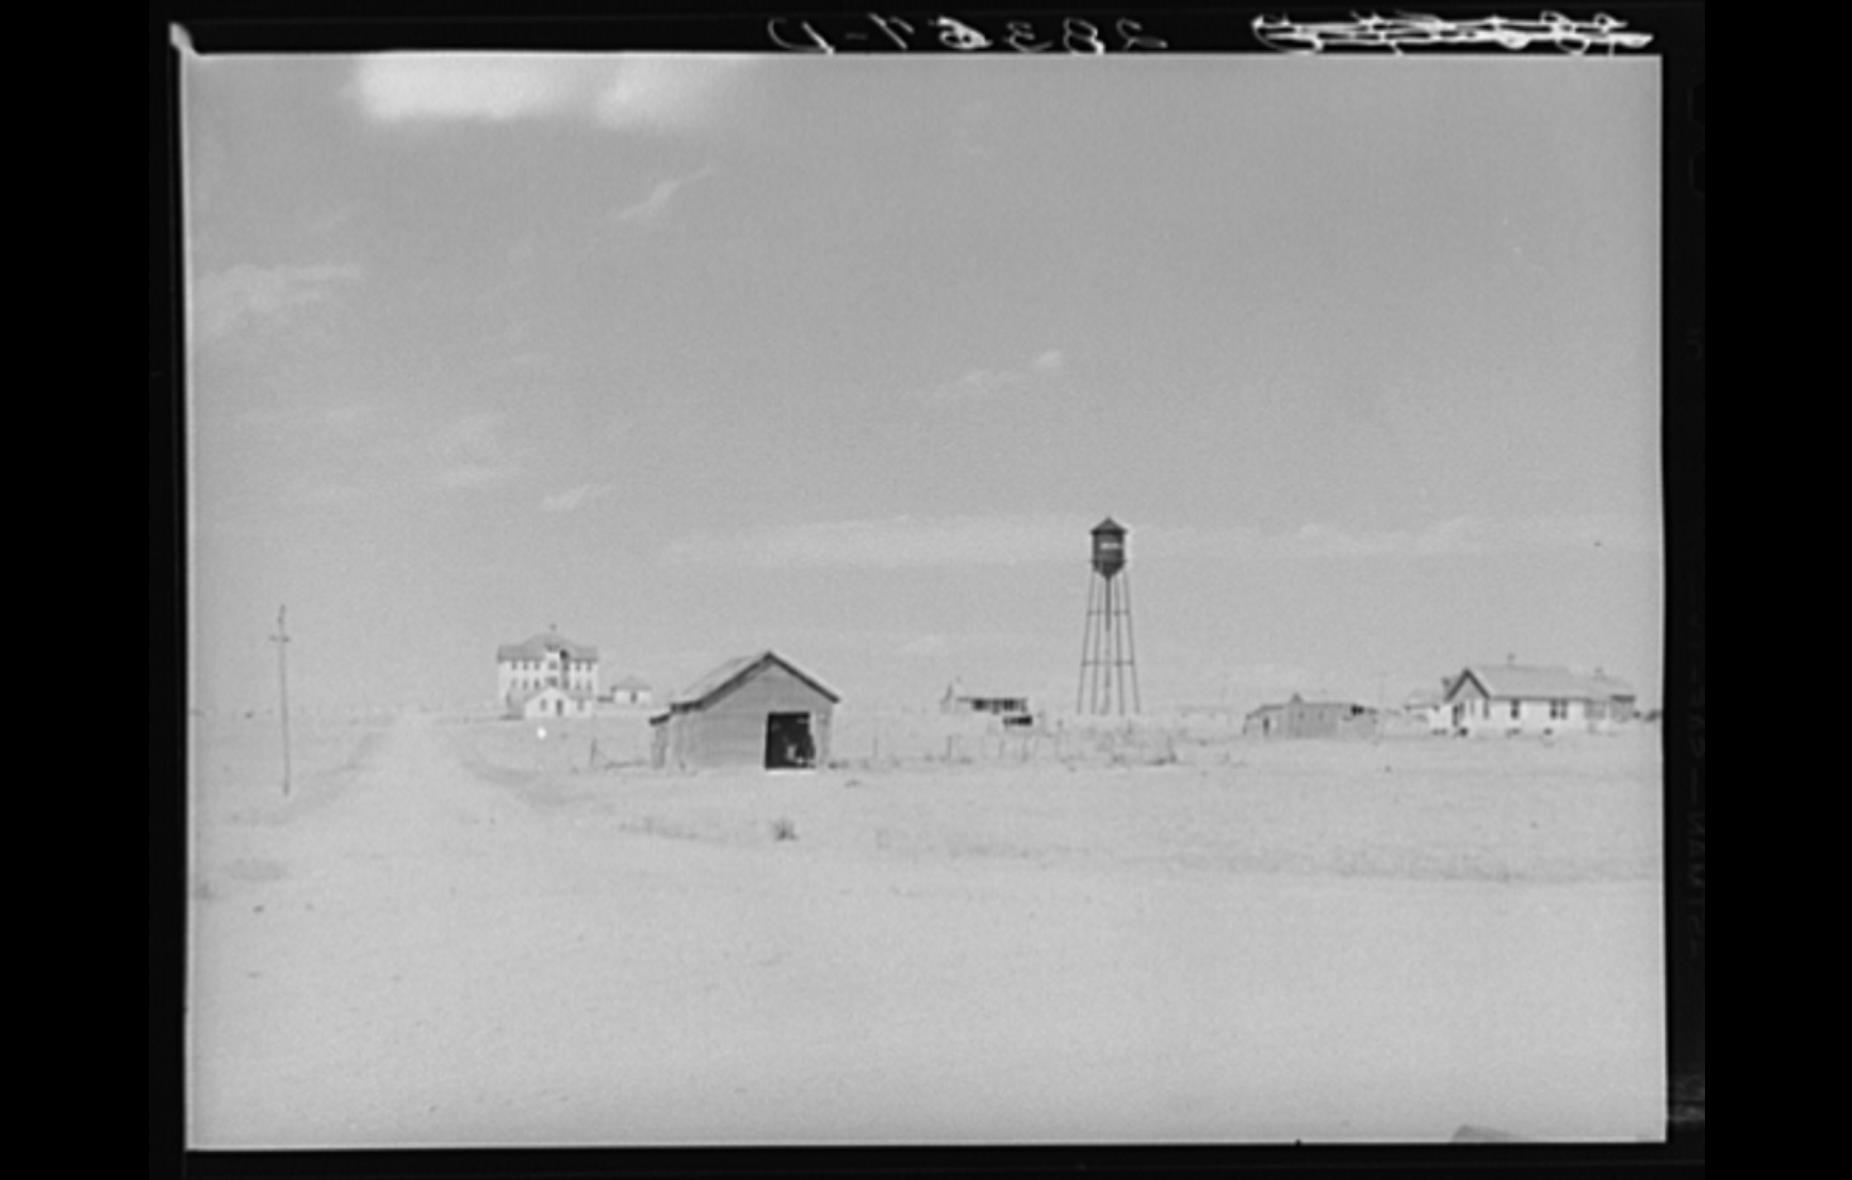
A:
(1075, 36)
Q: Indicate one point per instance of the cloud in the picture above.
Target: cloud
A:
(1263, 675)
(1456, 536)
(332, 493)
(471, 452)
(574, 498)
(907, 542)
(400, 87)
(224, 301)
(639, 92)
(900, 543)
(670, 91)
(978, 384)
(925, 645)
(347, 415)
(650, 208)
(981, 384)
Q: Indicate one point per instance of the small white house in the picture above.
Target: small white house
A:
(551, 701)
(1512, 698)
(631, 691)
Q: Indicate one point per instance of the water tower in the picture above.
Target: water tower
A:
(1107, 653)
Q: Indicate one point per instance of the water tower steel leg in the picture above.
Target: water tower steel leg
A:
(1108, 648)
(1112, 652)
(1102, 639)
(1115, 686)
(1102, 697)
(1131, 642)
(1099, 645)
(1093, 649)
(1120, 642)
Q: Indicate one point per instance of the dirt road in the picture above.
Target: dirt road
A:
(429, 959)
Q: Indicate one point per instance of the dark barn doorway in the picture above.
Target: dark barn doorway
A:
(788, 743)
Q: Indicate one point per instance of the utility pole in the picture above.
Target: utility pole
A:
(281, 639)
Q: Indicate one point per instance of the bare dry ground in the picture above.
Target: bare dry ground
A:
(458, 932)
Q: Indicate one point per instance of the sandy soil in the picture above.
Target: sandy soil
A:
(459, 934)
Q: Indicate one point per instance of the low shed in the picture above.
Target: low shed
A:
(758, 710)
(1299, 718)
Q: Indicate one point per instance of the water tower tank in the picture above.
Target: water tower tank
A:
(1108, 547)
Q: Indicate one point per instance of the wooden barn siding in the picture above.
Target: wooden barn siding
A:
(731, 730)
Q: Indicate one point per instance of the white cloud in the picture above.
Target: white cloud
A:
(925, 645)
(396, 87)
(333, 493)
(221, 302)
(652, 92)
(650, 208)
(471, 452)
(574, 498)
(899, 543)
(347, 415)
(979, 384)
(669, 91)
(1457, 536)
(909, 542)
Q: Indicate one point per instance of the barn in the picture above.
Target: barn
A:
(1300, 718)
(757, 710)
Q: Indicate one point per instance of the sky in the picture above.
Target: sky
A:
(695, 356)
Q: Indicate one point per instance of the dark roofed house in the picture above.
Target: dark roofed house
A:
(1529, 698)
(757, 710)
(1012, 707)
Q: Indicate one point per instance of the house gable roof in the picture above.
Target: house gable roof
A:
(1532, 682)
(735, 672)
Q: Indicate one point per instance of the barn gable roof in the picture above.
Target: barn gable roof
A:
(1532, 682)
(735, 672)
(536, 647)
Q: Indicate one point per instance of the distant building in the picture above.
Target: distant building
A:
(550, 702)
(758, 710)
(1013, 709)
(1300, 718)
(631, 690)
(1526, 698)
(546, 675)
(1429, 707)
